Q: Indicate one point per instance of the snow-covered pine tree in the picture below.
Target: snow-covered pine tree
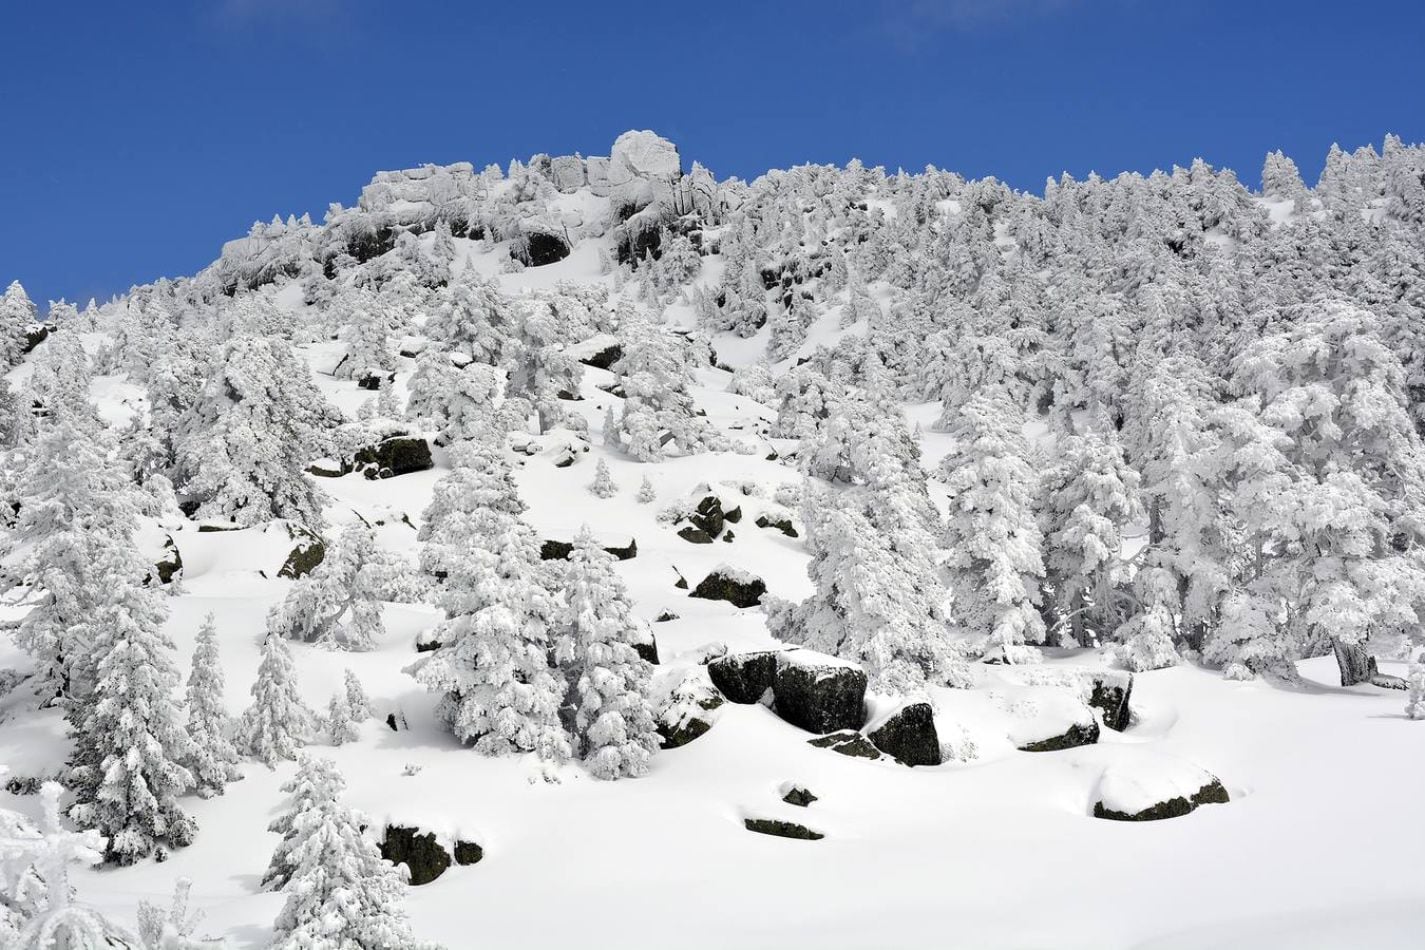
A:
(339, 725)
(17, 319)
(129, 740)
(356, 699)
(460, 402)
(213, 760)
(338, 604)
(246, 442)
(369, 358)
(646, 494)
(493, 664)
(594, 632)
(278, 723)
(603, 485)
(1087, 498)
(658, 411)
(994, 543)
(340, 892)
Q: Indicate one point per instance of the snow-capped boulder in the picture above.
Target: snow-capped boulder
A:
(567, 173)
(425, 856)
(744, 677)
(908, 735)
(169, 567)
(642, 169)
(848, 743)
(819, 693)
(398, 455)
(309, 551)
(1110, 692)
(1149, 787)
(799, 796)
(737, 587)
(686, 703)
(1077, 734)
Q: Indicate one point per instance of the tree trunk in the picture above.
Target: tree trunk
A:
(1357, 665)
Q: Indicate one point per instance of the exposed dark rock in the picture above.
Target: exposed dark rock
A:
(798, 796)
(781, 829)
(783, 525)
(309, 552)
(1355, 662)
(744, 677)
(427, 646)
(208, 528)
(909, 736)
(540, 248)
(34, 337)
(708, 516)
(372, 383)
(398, 455)
(734, 516)
(647, 651)
(695, 535)
(1111, 692)
(682, 582)
(727, 535)
(847, 743)
(736, 587)
(1080, 733)
(605, 358)
(1210, 794)
(322, 471)
(551, 550)
(665, 616)
(171, 567)
(819, 697)
(684, 717)
(627, 553)
(467, 853)
(426, 858)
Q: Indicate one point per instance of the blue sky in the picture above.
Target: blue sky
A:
(140, 136)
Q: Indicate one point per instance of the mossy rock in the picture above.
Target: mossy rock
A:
(398, 455)
(1210, 794)
(744, 677)
(741, 592)
(695, 535)
(1080, 733)
(781, 829)
(847, 743)
(425, 857)
(783, 525)
(801, 797)
(909, 736)
(309, 552)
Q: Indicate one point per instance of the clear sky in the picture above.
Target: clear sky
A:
(138, 136)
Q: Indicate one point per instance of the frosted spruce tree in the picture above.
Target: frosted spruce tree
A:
(213, 760)
(129, 739)
(338, 604)
(603, 485)
(594, 633)
(995, 560)
(278, 723)
(646, 494)
(18, 317)
(369, 359)
(246, 442)
(356, 699)
(340, 892)
(493, 667)
(1087, 498)
(339, 725)
(658, 411)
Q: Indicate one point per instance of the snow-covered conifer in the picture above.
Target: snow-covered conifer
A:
(339, 725)
(646, 494)
(356, 699)
(278, 723)
(595, 629)
(603, 485)
(213, 760)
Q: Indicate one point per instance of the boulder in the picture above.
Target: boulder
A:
(398, 455)
(567, 173)
(781, 829)
(708, 515)
(596, 172)
(1109, 693)
(552, 550)
(695, 535)
(34, 337)
(819, 693)
(647, 650)
(665, 616)
(744, 677)
(642, 169)
(847, 743)
(1080, 733)
(425, 857)
(304, 558)
(1150, 787)
(687, 711)
(171, 567)
(909, 736)
(783, 525)
(737, 587)
(540, 248)
(605, 358)
(801, 797)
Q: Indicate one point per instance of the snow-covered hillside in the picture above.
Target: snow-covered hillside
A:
(839, 559)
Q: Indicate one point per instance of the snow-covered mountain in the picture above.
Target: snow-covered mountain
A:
(637, 558)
